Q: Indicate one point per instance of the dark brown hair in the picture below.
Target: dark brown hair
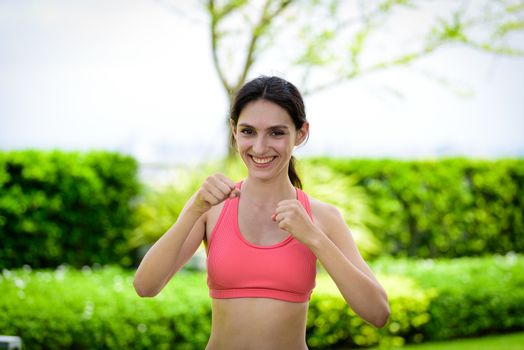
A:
(280, 92)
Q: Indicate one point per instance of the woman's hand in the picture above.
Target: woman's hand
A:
(292, 217)
(216, 189)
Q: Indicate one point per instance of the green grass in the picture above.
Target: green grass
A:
(513, 341)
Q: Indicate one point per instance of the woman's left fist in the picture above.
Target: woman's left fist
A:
(292, 217)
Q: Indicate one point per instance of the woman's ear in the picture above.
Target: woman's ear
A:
(302, 134)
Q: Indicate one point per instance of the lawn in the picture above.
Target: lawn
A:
(513, 341)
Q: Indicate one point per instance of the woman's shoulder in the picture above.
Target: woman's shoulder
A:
(323, 213)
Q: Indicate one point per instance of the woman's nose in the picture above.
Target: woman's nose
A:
(260, 145)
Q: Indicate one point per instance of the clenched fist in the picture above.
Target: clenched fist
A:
(292, 217)
(216, 189)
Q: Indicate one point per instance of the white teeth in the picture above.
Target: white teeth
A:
(262, 160)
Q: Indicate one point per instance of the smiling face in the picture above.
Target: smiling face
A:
(265, 136)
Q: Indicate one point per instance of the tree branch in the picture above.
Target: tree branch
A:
(258, 31)
(368, 21)
(446, 32)
(401, 60)
(214, 45)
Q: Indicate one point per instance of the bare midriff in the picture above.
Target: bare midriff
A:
(257, 324)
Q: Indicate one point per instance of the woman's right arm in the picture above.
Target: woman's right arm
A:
(180, 242)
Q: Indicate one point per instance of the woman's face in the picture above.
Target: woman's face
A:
(265, 137)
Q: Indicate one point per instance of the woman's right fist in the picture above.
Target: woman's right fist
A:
(216, 189)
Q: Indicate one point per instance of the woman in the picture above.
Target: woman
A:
(263, 235)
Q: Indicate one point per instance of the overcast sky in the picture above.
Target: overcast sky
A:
(132, 76)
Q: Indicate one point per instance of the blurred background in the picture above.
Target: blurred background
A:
(138, 77)
(113, 112)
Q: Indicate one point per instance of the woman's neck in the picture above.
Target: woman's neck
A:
(267, 192)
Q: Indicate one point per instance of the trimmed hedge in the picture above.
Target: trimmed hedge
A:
(441, 208)
(70, 207)
(430, 300)
(475, 295)
(98, 308)
(425, 209)
(161, 205)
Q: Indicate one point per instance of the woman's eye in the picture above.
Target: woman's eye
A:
(246, 131)
(277, 133)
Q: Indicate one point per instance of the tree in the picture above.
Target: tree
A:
(324, 43)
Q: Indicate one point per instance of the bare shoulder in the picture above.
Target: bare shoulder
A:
(330, 220)
(325, 215)
(322, 208)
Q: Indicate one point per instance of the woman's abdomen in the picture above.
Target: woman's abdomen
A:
(258, 324)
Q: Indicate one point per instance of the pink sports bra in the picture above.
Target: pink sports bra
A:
(237, 268)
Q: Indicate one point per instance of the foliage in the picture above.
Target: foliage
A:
(512, 341)
(433, 208)
(325, 184)
(160, 206)
(441, 208)
(332, 324)
(473, 294)
(65, 207)
(97, 308)
(335, 41)
(321, 44)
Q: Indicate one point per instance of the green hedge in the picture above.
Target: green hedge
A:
(442, 208)
(475, 295)
(430, 300)
(98, 308)
(161, 205)
(424, 209)
(70, 207)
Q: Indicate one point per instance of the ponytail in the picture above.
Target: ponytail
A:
(292, 173)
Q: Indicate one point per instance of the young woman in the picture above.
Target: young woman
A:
(263, 235)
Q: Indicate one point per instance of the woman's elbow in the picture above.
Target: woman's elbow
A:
(142, 291)
(381, 318)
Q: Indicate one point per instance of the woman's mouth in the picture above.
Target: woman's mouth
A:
(262, 160)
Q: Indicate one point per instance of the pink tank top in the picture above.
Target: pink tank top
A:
(237, 268)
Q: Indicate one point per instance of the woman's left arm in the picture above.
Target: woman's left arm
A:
(331, 241)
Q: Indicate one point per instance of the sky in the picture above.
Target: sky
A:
(132, 76)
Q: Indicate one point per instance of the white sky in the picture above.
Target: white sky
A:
(131, 76)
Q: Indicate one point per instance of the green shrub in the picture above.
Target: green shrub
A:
(475, 296)
(67, 207)
(98, 308)
(429, 300)
(160, 206)
(441, 208)
(325, 184)
(425, 209)
(332, 324)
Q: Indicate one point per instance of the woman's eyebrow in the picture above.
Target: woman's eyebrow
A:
(271, 127)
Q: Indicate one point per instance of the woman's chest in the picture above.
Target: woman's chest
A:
(258, 228)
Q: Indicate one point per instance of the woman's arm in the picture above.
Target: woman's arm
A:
(332, 243)
(181, 241)
(163, 259)
(338, 253)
